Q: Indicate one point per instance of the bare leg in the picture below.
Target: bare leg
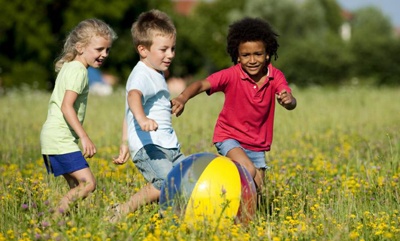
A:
(237, 154)
(259, 179)
(258, 175)
(145, 195)
(81, 183)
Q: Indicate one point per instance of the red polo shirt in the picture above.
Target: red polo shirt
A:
(248, 112)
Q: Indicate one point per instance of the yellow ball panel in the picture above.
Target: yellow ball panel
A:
(217, 191)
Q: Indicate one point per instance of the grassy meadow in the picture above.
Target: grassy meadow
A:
(334, 171)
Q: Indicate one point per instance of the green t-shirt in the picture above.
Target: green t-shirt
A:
(57, 137)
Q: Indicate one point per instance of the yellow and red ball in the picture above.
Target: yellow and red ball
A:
(205, 186)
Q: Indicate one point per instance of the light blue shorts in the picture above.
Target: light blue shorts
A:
(155, 162)
(257, 157)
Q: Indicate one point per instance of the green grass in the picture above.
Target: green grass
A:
(334, 171)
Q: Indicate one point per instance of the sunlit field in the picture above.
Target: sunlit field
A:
(334, 172)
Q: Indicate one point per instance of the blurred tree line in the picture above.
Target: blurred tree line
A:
(312, 50)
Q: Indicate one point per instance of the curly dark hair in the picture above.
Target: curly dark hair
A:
(251, 29)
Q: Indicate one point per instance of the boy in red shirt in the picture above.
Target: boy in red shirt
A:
(244, 128)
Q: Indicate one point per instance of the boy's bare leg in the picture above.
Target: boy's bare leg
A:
(237, 154)
(145, 195)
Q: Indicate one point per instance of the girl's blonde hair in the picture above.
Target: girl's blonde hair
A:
(82, 34)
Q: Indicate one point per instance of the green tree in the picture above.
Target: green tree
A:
(374, 46)
(310, 46)
(332, 13)
(32, 35)
(311, 50)
(26, 43)
(204, 33)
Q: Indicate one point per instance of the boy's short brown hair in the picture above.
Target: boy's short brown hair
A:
(150, 24)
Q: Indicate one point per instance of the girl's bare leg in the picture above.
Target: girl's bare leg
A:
(81, 183)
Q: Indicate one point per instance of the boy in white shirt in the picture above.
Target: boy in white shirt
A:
(147, 129)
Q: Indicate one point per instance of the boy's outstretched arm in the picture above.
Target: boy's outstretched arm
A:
(178, 103)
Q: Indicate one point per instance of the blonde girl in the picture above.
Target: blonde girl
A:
(88, 44)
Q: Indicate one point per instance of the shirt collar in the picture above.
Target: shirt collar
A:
(245, 76)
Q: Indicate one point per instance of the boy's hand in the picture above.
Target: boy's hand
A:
(286, 100)
(123, 154)
(177, 106)
(147, 124)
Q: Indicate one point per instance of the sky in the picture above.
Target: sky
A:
(390, 8)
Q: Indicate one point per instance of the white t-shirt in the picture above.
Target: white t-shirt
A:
(157, 106)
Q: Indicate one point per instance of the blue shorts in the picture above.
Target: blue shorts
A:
(65, 163)
(257, 157)
(155, 162)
